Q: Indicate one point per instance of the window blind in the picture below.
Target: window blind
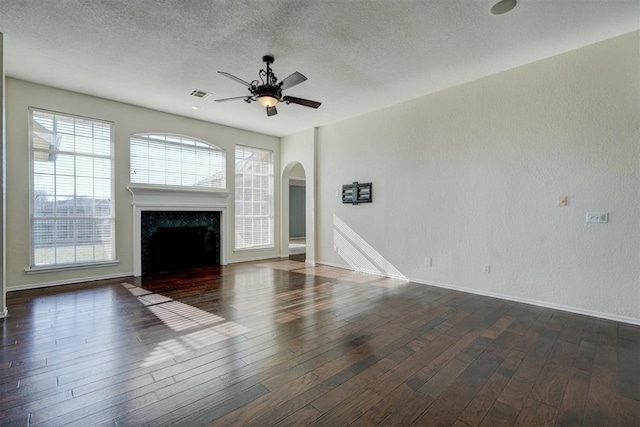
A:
(72, 220)
(177, 161)
(254, 198)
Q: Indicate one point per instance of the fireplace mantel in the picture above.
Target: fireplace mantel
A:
(166, 195)
(165, 198)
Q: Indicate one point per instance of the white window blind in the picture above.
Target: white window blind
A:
(175, 160)
(72, 220)
(254, 198)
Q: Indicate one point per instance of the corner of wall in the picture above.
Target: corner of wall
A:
(3, 184)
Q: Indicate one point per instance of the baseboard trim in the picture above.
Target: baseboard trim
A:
(538, 303)
(67, 282)
(545, 304)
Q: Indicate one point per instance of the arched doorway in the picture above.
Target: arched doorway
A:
(294, 207)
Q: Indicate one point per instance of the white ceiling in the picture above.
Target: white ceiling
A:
(359, 55)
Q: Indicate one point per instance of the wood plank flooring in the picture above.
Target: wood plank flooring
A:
(280, 343)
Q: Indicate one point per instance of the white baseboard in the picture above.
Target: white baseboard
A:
(546, 304)
(67, 282)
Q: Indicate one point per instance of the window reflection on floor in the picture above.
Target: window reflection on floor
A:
(183, 318)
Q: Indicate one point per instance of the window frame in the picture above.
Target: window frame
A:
(272, 196)
(41, 268)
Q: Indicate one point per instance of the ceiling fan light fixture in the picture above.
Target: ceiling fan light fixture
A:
(267, 100)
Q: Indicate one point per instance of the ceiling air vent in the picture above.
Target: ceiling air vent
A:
(199, 93)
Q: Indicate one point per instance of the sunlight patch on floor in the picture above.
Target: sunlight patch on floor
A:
(193, 341)
(182, 317)
(325, 271)
(179, 316)
(329, 272)
(286, 265)
(390, 283)
(152, 299)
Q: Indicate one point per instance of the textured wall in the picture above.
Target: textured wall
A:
(469, 177)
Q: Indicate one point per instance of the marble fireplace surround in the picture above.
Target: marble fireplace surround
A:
(147, 198)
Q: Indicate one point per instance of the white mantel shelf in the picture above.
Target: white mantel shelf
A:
(148, 190)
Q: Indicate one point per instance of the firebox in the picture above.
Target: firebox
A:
(174, 241)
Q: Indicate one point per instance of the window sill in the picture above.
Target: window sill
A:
(54, 268)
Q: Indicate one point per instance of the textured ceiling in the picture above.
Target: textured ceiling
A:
(359, 55)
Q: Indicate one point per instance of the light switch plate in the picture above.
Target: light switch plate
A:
(597, 217)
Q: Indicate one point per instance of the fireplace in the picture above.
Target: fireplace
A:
(173, 209)
(179, 240)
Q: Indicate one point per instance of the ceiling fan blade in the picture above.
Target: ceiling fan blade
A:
(231, 99)
(300, 101)
(234, 78)
(271, 111)
(292, 80)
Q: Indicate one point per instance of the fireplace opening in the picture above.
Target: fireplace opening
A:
(173, 241)
(182, 248)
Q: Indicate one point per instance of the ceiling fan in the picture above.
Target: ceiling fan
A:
(268, 91)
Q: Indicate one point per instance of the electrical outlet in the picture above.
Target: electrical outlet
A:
(486, 269)
(428, 261)
(597, 217)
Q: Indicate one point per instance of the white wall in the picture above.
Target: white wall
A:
(300, 148)
(297, 173)
(128, 120)
(469, 176)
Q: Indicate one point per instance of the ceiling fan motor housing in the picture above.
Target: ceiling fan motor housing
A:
(273, 91)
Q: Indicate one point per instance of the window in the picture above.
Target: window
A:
(254, 198)
(175, 160)
(72, 219)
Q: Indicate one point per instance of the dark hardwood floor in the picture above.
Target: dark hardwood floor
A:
(282, 343)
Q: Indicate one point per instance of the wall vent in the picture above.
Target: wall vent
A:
(199, 93)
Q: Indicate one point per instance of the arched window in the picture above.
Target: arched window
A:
(174, 160)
